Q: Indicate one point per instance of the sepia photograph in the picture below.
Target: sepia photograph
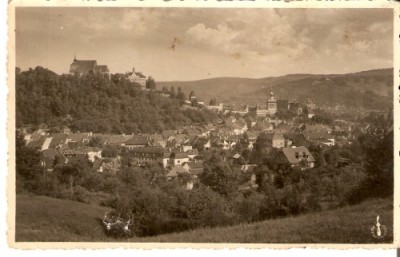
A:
(204, 125)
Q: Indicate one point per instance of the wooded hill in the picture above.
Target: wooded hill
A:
(97, 104)
(368, 89)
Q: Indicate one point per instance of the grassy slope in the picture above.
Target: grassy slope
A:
(347, 225)
(46, 219)
(40, 218)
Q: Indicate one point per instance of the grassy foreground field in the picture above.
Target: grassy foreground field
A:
(46, 219)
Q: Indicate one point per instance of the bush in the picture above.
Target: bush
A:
(249, 208)
(80, 194)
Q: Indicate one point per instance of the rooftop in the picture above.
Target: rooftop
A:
(292, 154)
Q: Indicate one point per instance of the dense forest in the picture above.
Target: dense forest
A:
(98, 104)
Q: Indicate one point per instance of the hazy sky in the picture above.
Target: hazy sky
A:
(207, 42)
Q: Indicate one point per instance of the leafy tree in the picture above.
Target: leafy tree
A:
(181, 96)
(207, 208)
(379, 167)
(150, 83)
(27, 164)
(219, 176)
(213, 101)
(263, 176)
(379, 177)
(172, 92)
(191, 95)
(262, 147)
(249, 208)
(96, 142)
(356, 151)
(332, 156)
(110, 151)
(74, 172)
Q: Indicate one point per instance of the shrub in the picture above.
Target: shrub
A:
(80, 194)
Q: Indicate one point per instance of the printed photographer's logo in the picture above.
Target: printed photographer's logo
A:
(378, 230)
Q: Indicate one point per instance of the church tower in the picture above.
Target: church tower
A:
(271, 103)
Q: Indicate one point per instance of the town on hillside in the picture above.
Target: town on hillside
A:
(289, 132)
(116, 140)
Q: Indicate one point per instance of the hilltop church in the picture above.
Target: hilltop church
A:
(85, 67)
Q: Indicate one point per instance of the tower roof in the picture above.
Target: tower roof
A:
(271, 96)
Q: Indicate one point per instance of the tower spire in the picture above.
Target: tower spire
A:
(74, 57)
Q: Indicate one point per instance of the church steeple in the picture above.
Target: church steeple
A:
(74, 57)
(271, 103)
(271, 95)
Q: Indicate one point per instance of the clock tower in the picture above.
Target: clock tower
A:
(271, 103)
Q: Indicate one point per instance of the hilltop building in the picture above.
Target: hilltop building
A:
(137, 77)
(85, 67)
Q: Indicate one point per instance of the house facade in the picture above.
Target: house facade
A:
(137, 77)
(142, 155)
(92, 153)
(278, 141)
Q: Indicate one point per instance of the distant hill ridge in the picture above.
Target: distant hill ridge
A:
(371, 89)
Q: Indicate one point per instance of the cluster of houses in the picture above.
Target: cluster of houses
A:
(180, 151)
(272, 106)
